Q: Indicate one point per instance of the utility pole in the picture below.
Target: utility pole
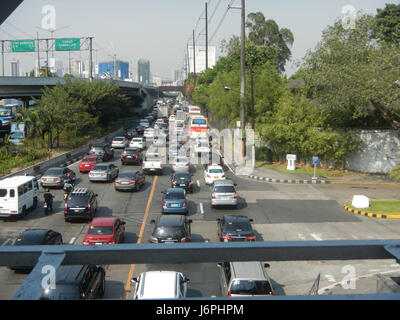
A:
(38, 53)
(242, 73)
(194, 59)
(2, 55)
(47, 57)
(90, 58)
(206, 36)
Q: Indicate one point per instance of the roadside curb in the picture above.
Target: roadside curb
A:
(293, 181)
(371, 215)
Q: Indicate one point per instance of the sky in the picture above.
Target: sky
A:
(160, 30)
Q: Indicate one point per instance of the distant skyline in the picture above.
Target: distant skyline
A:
(160, 30)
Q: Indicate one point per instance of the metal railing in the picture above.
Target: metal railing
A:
(56, 256)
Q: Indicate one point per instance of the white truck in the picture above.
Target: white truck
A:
(163, 111)
(181, 115)
(152, 163)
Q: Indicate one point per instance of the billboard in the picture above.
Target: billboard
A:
(200, 54)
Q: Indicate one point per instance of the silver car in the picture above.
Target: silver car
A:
(181, 164)
(223, 193)
(119, 142)
(103, 172)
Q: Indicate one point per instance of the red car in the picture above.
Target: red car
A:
(87, 163)
(105, 231)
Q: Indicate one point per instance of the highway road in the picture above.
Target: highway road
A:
(281, 212)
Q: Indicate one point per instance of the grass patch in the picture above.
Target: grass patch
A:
(381, 206)
(300, 169)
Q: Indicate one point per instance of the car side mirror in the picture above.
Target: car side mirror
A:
(153, 221)
(218, 219)
(123, 222)
(187, 280)
(190, 221)
(235, 184)
(220, 265)
(251, 220)
(266, 265)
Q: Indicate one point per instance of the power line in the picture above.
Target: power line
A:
(221, 21)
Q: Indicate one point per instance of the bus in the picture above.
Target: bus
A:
(194, 110)
(197, 126)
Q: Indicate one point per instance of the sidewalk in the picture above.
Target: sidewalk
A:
(274, 175)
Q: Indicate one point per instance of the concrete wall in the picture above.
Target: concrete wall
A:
(379, 152)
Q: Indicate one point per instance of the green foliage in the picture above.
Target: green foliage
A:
(388, 24)
(395, 174)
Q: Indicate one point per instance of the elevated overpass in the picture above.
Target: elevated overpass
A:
(26, 88)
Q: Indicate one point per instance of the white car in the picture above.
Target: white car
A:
(137, 143)
(144, 123)
(149, 133)
(160, 285)
(119, 142)
(202, 147)
(213, 173)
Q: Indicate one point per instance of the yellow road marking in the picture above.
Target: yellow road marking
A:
(132, 269)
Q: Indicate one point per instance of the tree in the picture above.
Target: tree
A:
(351, 77)
(267, 33)
(388, 24)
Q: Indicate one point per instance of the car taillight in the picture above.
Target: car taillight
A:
(187, 164)
(164, 203)
(226, 238)
(185, 204)
(117, 181)
(154, 240)
(133, 182)
(223, 176)
(229, 294)
(190, 183)
(89, 206)
(213, 195)
(251, 238)
(235, 196)
(174, 183)
(184, 240)
(123, 155)
(174, 164)
(208, 176)
(135, 155)
(66, 207)
(58, 179)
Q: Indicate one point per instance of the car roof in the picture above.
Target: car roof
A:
(175, 190)
(33, 236)
(89, 157)
(104, 221)
(214, 167)
(172, 220)
(158, 284)
(13, 182)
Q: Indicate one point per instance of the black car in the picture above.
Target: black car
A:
(77, 283)
(36, 237)
(103, 151)
(80, 204)
(131, 156)
(139, 129)
(182, 180)
(235, 228)
(171, 229)
(130, 133)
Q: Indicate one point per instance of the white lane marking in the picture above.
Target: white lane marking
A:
(201, 208)
(72, 240)
(330, 278)
(198, 183)
(302, 237)
(6, 242)
(316, 236)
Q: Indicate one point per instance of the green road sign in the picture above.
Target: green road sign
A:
(68, 44)
(23, 45)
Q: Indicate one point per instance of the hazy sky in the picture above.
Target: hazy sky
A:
(159, 30)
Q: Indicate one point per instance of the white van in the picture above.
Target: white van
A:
(18, 195)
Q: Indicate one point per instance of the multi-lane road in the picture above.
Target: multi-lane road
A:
(281, 212)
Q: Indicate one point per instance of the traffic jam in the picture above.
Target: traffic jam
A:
(173, 139)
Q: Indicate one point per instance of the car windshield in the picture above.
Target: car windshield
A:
(237, 226)
(100, 168)
(215, 171)
(53, 172)
(118, 139)
(100, 230)
(137, 140)
(250, 287)
(5, 113)
(181, 159)
(98, 148)
(174, 196)
(169, 232)
(126, 175)
(224, 189)
(89, 160)
(76, 200)
(153, 157)
(181, 177)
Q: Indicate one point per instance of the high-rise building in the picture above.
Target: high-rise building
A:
(200, 60)
(120, 71)
(15, 68)
(144, 71)
(77, 67)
